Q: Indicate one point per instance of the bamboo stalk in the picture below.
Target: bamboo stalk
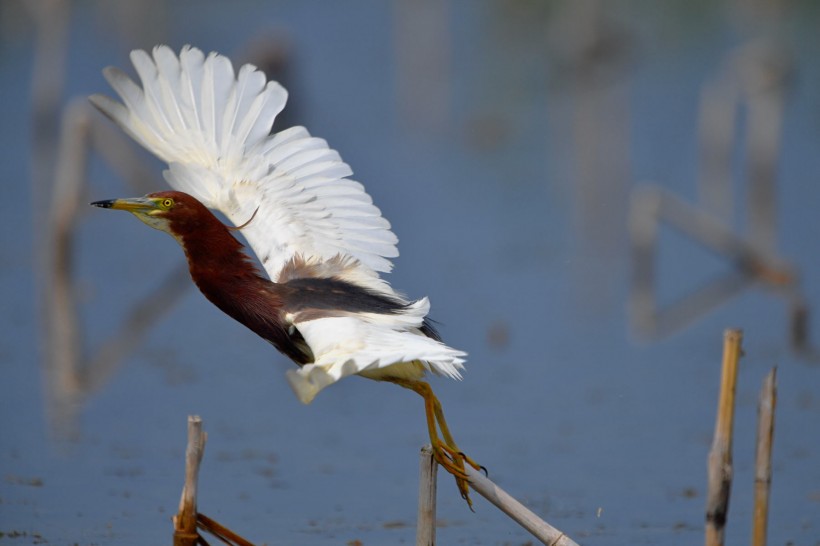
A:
(426, 524)
(763, 460)
(720, 455)
(185, 533)
(526, 518)
(522, 515)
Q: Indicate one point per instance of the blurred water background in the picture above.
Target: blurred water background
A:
(505, 142)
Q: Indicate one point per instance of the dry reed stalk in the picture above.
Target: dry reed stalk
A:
(220, 531)
(185, 532)
(426, 525)
(763, 460)
(720, 456)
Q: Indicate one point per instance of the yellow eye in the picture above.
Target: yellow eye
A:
(167, 203)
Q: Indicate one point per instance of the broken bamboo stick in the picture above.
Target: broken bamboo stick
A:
(221, 532)
(480, 483)
(519, 513)
(720, 455)
(185, 532)
(426, 524)
(763, 460)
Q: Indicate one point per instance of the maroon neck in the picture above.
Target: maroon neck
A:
(218, 263)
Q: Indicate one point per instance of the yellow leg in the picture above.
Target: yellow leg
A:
(448, 438)
(445, 450)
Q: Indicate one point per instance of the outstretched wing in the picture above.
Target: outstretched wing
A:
(213, 129)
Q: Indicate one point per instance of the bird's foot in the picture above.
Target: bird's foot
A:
(453, 462)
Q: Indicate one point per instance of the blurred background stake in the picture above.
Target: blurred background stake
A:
(71, 373)
(52, 19)
(52, 263)
(69, 184)
(140, 318)
(185, 522)
(63, 344)
(764, 70)
(717, 236)
(799, 325)
(426, 525)
(720, 456)
(753, 81)
(593, 53)
(763, 460)
(652, 207)
(717, 122)
(519, 513)
(422, 48)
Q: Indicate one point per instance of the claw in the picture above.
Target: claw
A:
(466, 497)
(472, 462)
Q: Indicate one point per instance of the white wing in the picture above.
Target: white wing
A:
(367, 344)
(212, 128)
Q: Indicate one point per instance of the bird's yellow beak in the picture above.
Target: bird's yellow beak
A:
(136, 205)
(147, 210)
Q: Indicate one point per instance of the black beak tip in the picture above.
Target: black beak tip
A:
(103, 204)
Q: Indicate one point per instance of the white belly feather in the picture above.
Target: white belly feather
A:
(372, 345)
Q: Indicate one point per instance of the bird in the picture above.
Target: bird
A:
(315, 291)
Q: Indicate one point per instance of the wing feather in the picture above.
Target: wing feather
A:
(213, 126)
(210, 99)
(162, 77)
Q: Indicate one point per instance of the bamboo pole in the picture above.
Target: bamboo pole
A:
(720, 456)
(426, 524)
(763, 461)
(185, 533)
